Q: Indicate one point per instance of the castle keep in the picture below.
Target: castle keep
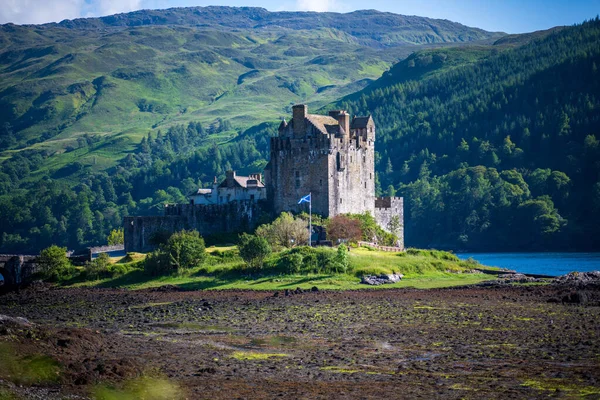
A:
(332, 157)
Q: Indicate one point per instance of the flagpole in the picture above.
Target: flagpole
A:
(310, 220)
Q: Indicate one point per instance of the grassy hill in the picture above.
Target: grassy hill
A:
(117, 77)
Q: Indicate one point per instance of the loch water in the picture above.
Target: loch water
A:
(553, 264)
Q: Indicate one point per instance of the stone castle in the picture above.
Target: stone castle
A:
(331, 157)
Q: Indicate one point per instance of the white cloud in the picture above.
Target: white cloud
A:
(316, 5)
(110, 7)
(39, 11)
(43, 11)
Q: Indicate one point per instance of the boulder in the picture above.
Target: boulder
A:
(375, 280)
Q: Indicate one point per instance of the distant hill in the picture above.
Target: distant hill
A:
(494, 147)
(368, 27)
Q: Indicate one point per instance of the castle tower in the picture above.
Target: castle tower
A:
(330, 156)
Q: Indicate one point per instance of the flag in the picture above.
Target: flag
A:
(305, 199)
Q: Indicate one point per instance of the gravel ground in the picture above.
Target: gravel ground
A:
(498, 341)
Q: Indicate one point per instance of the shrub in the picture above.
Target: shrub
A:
(157, 263)
(181, 251)
(98, 268)
(342, 257)
(285, 231)
(341, 227)
(185, 249)
(253, 250)
(54, 264)
(311, 260)
(116, 237)
(292, 262)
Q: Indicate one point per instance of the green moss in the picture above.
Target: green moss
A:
(562, 385)
(27, 369)
(255, 356)
(145, 387)
(339, 370)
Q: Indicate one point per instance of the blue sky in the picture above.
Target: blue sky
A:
(512, 16)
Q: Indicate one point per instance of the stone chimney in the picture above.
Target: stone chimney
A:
(258, 177)
(299, 112)
(343, 119)
(230, 178)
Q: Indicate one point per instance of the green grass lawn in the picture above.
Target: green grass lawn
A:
(422, 269)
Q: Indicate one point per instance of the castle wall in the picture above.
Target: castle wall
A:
(299, 167)
(385, 209)
(351, 176)
(238, 216)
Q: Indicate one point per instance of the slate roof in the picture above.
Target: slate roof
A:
(242, 181)
(360, 122)
(323, 123)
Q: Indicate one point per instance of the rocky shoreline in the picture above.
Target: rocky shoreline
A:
(503, 341)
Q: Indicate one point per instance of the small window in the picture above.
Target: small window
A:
(252, 197)
(297, 174)
(341, 201)
(365, 185)
(370, 175)
(297, 183)
(350, 158)
(221, 199)
(320, 182)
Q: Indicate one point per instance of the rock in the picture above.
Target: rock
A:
(381, 279)
(578, 297)
(314, 289)
(579, 277)
(18, 321)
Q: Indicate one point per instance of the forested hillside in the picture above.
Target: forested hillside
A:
(494, 149)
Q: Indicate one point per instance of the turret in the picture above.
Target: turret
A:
(282, 126)
(299, 114)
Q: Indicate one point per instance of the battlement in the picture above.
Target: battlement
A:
(389, 214)
(389, 202)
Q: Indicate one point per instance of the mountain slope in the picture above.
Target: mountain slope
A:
(113, 79)
(494, 149)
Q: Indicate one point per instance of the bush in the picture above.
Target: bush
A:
(342, 258)
(253, 250)
(306, 260)
(157, 263)
(181, 251)
(285, 231)
(342, 227)
(186, 250)
(97, 268)
(54, 264)
(116, 237)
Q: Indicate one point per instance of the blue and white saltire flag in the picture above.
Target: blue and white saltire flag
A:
(305, 199)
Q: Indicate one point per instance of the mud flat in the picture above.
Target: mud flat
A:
(499, 341)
